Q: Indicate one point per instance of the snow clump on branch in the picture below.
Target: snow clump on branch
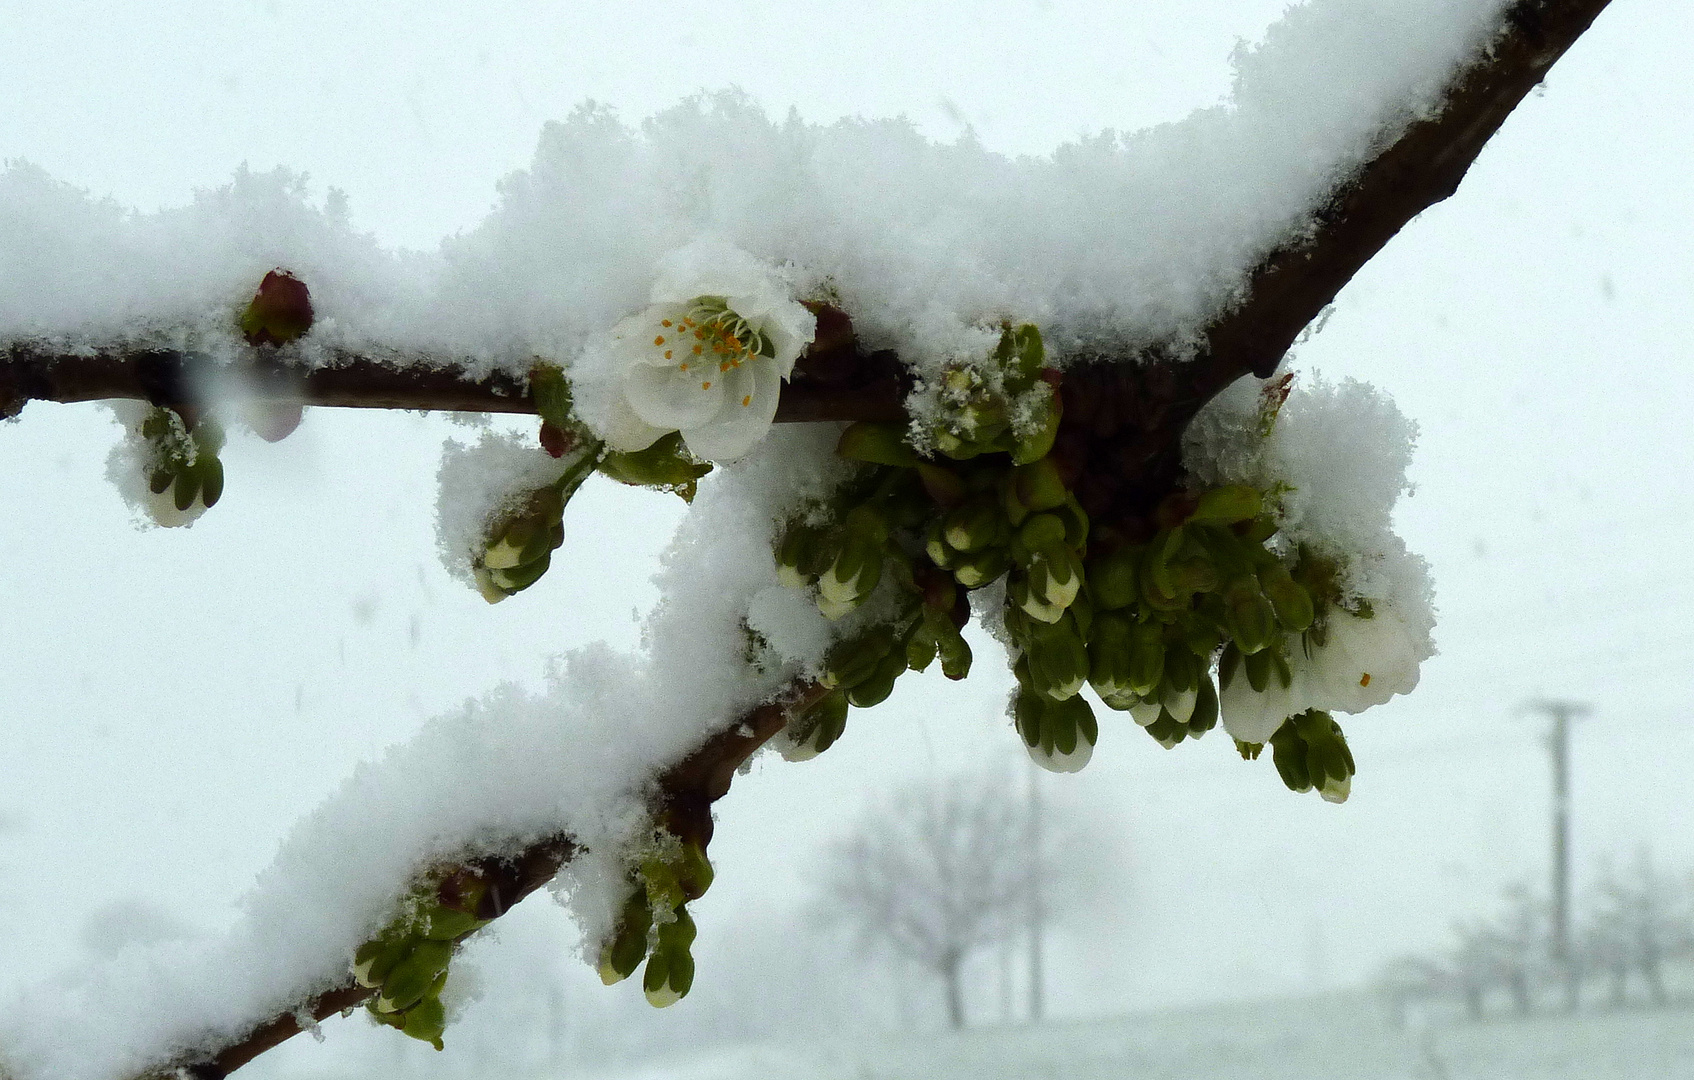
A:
(1335, 457)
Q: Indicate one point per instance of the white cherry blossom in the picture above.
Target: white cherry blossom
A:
(708, 357)
(1251, 716)
(1363, 662)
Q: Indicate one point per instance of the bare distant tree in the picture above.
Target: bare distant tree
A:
(1640, 920)
(1508, 952)
(940, 871)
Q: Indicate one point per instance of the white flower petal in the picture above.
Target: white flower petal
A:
(749, 406)
(628, 432)
(644, 338)
(1252, 717)
(672, 398)
(1072, 762)
(1364, 662)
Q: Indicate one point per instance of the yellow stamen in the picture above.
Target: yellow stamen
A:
(696, 350)
(664, 322)
(660, 340)
(1365, 681)
(748, 400)
(667, 354)
(705, 386)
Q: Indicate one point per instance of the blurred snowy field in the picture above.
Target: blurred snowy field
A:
(1343, 1036)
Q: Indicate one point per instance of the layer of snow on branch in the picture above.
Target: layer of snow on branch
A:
(503, 771)
(1142, 235)
(1337, 457)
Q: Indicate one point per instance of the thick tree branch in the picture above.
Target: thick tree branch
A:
(1292, 284)
(1123, 422)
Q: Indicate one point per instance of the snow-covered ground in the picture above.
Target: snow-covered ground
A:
(1344, 1037)
(1341, 1036)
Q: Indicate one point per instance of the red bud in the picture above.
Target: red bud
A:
(280, 312)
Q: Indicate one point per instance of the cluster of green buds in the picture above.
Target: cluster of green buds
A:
(519, 543)
(860, 670)
(407, 962)
(1003, 406)
(1310, 751)
(1141, 621)
(183, 459)
(654, 924)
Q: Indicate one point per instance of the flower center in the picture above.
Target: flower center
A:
(711, 332)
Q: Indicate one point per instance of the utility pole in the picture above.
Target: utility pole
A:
(1561, 713)
(1037, 913)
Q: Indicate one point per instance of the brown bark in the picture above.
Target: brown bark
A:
(1125, 422)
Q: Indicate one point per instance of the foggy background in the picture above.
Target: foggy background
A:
(173, 700)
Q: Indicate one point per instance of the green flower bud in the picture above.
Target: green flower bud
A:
(427, 1021)
(1288, 752)
(1228, 505)
(854, 660)
(693, 870)
(943, 486)
(670, 970)
(1291, 602)
(1058, 661)
(974, 525)
(1041, 531)
(955, 652)
(921, 647)
(798, 555)
(1146, 659)
(449, 924)
(620, 956)
(666, 465)
(1248, 615)
(411, 978)
(978, 569)
(375, 959)
(817, 729)
(1033, 488)
(1205, 715)
(1111, 579)
(1329, 761)
(875, 690)
(520, 578)
(1036, 440)
(1068, 735)
(1028, 707)
(1166, 731)
(1109, 656)
(879, 444)
(1025, 599)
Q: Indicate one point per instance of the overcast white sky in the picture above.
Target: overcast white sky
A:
(174, 700)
